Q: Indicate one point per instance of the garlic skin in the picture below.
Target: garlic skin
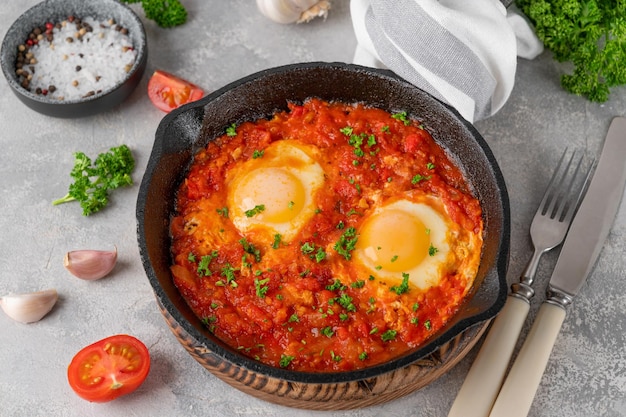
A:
(293, 11)
(30, 307)
(90, 265)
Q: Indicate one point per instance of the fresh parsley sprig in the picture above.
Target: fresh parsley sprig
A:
(93, 181)
(590, 34)
(166, 13)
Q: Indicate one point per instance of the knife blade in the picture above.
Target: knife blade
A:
(577, 258)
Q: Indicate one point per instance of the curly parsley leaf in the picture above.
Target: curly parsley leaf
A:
(590, 34)
(93, 181)
(166, 13)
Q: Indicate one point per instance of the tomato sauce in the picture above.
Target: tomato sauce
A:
(282, 306)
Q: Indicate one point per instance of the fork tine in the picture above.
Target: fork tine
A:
(548, 196)
(565, 199)
(552, 208)
(575, 199)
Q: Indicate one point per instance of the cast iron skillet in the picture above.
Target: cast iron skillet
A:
(191, 127)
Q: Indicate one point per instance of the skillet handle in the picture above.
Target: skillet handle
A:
(481, 386)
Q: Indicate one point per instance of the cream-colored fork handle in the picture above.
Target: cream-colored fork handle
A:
(483, 381)
(518, 391)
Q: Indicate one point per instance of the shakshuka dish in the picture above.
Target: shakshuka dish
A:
(329, 237)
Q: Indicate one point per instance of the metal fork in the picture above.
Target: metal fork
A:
(547, 231)
(553, 217)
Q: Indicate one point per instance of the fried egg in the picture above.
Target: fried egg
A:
(414, 235)
(274, 193)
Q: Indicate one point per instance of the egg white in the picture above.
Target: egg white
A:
(281, 185)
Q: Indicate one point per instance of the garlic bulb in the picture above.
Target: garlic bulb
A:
(30, 307)
(293, 11)
(90, 264)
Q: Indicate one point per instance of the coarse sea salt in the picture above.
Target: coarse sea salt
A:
(78, 63)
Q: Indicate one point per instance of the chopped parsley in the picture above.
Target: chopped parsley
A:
(389, 335)
(402, 116)
(346, 243)
(222, 211)
(228, 272)
(336, 286)
(363, 356)
(258, 154)
(430, 165)
(261, 287)
(294, 318)
(203, 266)
(427, 324)
(307, 248)
(209, 323)
(404, 286)
(231, 130)
(358, 284)
(256, 210)
(432, 250)
(285, 360)
(346, 130)
(191, 257)
(357, 141)
(346, 302)
(328, 331)
(249, 248)
(320, 255)
(351, 212)
(417, 178)
(314, 252)
(277, 241)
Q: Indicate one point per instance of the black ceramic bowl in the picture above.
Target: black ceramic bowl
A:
(57, 11)
(191, 127)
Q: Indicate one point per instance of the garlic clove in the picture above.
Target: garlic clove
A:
(293, 11)
(30, 307)
(90, 264)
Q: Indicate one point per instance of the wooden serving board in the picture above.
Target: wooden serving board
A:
(332, 396)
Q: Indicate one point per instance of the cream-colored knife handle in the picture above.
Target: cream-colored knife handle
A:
(483, 381)
(520, 386)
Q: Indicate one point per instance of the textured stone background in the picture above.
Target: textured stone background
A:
(223, 41)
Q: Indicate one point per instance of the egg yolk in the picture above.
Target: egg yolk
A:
(278, 191)
(394, 240)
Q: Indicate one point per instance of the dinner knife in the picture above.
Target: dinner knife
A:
(576, 260)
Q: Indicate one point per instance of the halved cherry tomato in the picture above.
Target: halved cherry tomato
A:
(167, 91)
(109, 368)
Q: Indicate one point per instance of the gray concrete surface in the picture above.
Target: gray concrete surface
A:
(224, 41)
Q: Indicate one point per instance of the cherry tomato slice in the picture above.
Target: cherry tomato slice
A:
(167, 91)
(109, 368)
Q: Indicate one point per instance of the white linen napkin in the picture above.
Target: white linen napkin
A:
(464, 52)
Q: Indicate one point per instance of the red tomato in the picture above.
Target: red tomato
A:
(167, 91)
(109, 368)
